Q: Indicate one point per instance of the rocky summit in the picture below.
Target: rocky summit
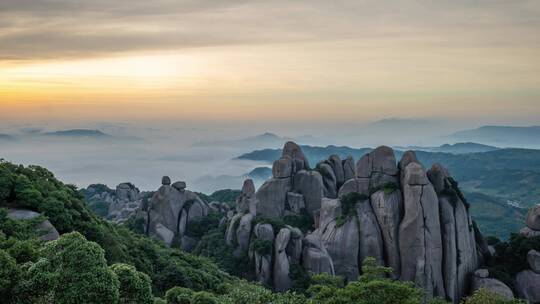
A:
(331, 217)
(413, 220)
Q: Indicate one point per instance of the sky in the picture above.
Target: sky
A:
(270, 62)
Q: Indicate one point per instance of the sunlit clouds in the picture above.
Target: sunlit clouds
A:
(241, 61)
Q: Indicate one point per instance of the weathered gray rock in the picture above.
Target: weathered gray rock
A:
(533, 218)
(407, 158)
(45, 230)
(310, 185)
(480, 280)
(180, 185)
(358, 185)
(533, 258)
(419, 233)
(282, 281)
(528, 286)
(370, 237)
(163, 233)
(294, 151)
(243, 234)
(247, 197)
(330, 210)
(263, 262)
(459, 241)
(315, 258)
(127, 192)
(283, 167)
(165, 180)
(230, 233)
(294, 248)
(380, 166)
(342, 243)
(528, 232)
(329, 179)
(388, 209)
(337, 166)
(271, 197)
(349, 169)
(296, 202)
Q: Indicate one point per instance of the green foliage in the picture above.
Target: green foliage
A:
(135, 286)
(276, 223)
(483, 296)
(9, 275)
(300, 278)
(263, 247)
(372, 271)
(178, 295)
(203, 297)
(348, 206)
(302, 221)
(246, 293)
(387, 188)
(72, 270)
(213, 246)
(372, 288)
(198, 227)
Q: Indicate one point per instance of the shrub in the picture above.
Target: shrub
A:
(262, 247)
(203, 297)
(483, 296)
(135, 286)
(178, 295)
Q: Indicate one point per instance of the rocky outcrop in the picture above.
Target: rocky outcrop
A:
(481, 280)
(341, 240)
(532, 222)
(271, 197)
(263, 260)
(282, 281)
(329, 179)
(45, 230)
(246, 202)
(420, 232)
(533, 218)
(387, 208)
(370, 238)
(527, 282)
(379, 166)
(415, 222)
(315, 258)
(122, 203)
(310, 185)
(458, 235)
(170, 211)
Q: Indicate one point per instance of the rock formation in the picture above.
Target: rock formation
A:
(415, 222)
(481, 279)
(45, 230)
(528, 281)
(532, 222)
(169, 212)
(122, 203)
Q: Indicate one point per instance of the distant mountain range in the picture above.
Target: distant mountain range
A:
(263, 140)
(501, 135)
(69, 133)
(457, 148)
(78, 133)
(6, 137)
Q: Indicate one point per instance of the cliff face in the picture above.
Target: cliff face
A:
(406, 217)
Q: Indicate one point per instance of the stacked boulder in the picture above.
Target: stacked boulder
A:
(528, 281)
(412, 220)
(45, 230)
(481, 280)
(533, 223)
(170, 210)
